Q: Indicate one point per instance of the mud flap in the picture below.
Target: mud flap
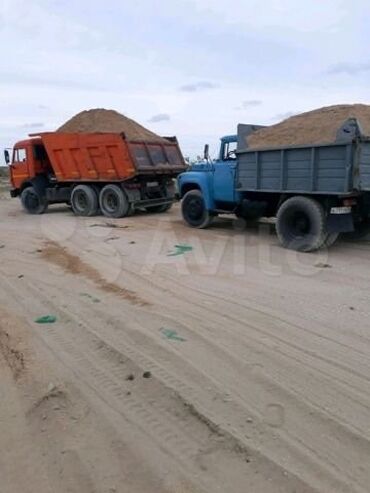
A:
(340, 223)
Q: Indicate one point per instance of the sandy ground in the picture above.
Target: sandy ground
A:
(256, 359)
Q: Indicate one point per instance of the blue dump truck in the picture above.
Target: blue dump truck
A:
(315, 192)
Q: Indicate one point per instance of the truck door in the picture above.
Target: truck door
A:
(19, 167)
(224, 174)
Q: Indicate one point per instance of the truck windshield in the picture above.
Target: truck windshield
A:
(19, 155)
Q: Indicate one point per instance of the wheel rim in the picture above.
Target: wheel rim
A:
(111, 202)
(195, 209)
(81, 201)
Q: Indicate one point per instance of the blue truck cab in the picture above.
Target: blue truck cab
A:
(214, 179)
(315, 192)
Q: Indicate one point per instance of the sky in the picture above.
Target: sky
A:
(193, 69)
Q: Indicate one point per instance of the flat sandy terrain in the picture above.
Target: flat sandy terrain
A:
(256, 359)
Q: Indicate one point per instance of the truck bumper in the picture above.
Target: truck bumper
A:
(14, 193)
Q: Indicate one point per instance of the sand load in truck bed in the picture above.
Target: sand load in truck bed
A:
(314, 127)
(109, 121)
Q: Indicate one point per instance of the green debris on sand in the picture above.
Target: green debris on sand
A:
(180, 250)
(92, 298)
(172, 335)
(46, 319)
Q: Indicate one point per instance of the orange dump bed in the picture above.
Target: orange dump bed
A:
(109, 157)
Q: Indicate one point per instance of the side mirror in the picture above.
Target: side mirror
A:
(206, 152)
(7, 156)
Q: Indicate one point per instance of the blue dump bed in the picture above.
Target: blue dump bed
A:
(339, 168)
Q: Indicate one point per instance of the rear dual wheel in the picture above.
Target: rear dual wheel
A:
(84, 200)
(301, 225)
(114, 202)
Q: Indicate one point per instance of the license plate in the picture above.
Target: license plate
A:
(340, 210)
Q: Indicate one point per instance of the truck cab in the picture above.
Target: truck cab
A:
(27, 161)
(212, 182)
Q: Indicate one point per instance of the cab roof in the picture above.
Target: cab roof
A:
(229, 138)
(26, 142)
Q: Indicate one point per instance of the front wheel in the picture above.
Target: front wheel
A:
(33, 202)
(301, 224)
(194, 210)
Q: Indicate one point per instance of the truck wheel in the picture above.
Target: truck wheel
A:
(114, 202)
(301, 224)
(33, 202)
(158, 208)
(84, 200)
(194, 210)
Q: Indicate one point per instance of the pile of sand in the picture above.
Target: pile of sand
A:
(101, 120)
(314, 127)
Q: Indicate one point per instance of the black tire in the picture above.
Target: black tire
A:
(155, 209)
(114, 202)
(84, 201)
(194, 210)
(301, 224)
(33, 202)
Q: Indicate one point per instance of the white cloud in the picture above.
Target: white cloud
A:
(198, 86)
(160, 117)
(349, 68)
(301, 15)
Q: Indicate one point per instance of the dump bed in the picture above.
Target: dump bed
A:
(339, 168)
(109, 157)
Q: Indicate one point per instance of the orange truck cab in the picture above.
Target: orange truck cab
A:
(94, 171)
(25, 163)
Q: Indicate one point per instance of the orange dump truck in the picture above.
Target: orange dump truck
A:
(94, 171)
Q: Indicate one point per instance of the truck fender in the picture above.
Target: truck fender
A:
(338, 219)
(196, 181)
(39, 183)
